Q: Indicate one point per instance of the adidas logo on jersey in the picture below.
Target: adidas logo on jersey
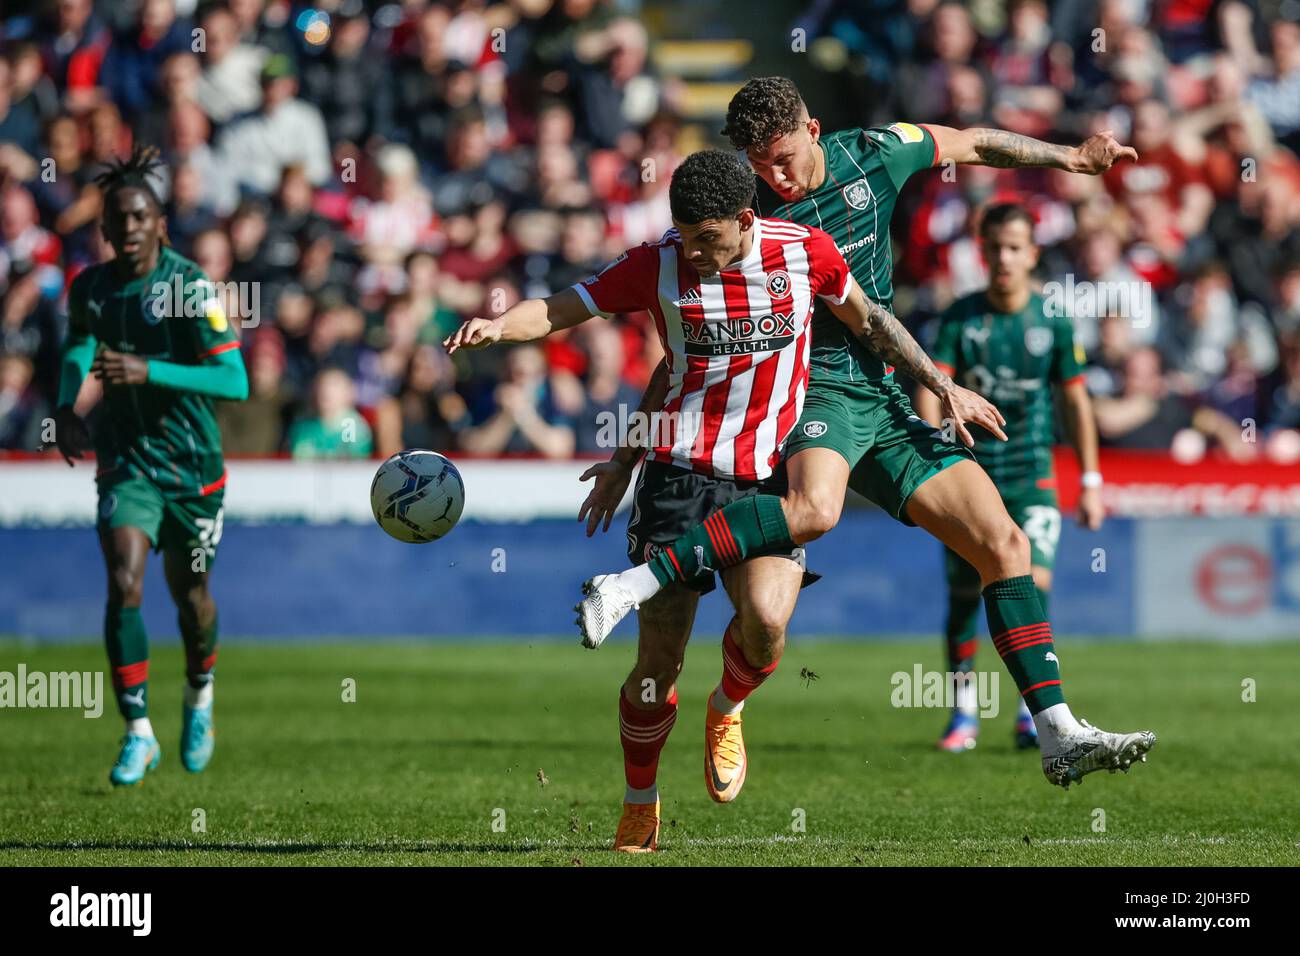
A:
(692, 297)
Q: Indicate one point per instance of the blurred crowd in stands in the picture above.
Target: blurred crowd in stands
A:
(364, 175)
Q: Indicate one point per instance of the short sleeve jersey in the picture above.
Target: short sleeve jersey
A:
(737, 342)
(174, 315)
(865, 171)
(1013, 361)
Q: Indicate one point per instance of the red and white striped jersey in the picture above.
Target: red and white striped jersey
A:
(737, 342)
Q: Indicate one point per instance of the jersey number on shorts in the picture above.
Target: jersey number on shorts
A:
(210, 532)
(1043, 527)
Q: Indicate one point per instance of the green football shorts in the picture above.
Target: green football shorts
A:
(891, 450)
(188, 524)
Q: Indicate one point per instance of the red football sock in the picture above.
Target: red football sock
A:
(739, 677)
(643, 734)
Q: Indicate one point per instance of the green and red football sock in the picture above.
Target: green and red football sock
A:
(128, 656)
(200, 648)
(960, 627)
(1023, 638)
(742, 530)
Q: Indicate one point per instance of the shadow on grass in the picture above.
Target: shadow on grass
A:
(289, 849)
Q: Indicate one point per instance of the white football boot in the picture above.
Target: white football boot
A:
(1091, 749)
(605, 602)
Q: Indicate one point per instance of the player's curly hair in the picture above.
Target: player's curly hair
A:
(763, 109)
(710, 184)
(134, 172)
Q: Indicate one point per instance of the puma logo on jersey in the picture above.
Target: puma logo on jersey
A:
(1051, 657)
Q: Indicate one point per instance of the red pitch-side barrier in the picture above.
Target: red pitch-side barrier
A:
(1140, 483)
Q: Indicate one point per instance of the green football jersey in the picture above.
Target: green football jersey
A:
(172, 314)
(1013, 361)
(865, 169)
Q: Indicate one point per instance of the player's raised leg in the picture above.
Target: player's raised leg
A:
(763, 592)
(961, 507)
(125, 549)
(1026, 732)
(647, 710)
(750, 527)
(196, 614)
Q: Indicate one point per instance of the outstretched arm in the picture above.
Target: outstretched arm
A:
(998, 147)
(524, 322)
(881, 331)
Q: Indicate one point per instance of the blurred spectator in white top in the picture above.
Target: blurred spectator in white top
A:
(400, 219)
(1206, 324)
(284, 131)
(230, 83)
(187, 142)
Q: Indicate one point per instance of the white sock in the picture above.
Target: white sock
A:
(140, 726)
(198, 697)
(966, 699)
(641, 582)
(1053, 724)
(724, 704)
(649, 795)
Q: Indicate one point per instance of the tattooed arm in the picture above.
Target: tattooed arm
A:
(887, 337)
(998, 147)
(881, 332)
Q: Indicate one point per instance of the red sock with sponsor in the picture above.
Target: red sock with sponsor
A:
(643, 734)
(739, 677)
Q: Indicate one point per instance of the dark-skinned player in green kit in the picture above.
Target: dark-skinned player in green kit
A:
(149, 325)
(1005, 344)
(857, 428)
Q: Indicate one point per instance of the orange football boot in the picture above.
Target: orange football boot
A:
(724, 755)
(638, 831)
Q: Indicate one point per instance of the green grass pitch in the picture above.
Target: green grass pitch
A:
(444, 740)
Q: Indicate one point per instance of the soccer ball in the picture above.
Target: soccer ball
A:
(417, 496)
